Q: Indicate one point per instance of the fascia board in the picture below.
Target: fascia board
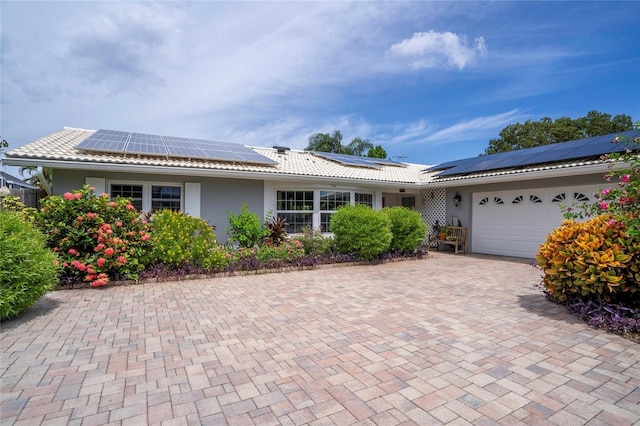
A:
(186, 171)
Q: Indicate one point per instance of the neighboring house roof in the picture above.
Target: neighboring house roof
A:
(58, 150)
(8, 180)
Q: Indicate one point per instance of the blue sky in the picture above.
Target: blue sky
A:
(429, 81)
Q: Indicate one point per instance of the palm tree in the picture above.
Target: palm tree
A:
(358, 146)
(35, 177)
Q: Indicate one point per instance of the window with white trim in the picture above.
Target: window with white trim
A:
(330, 201)
(296, 207)
(134, 192)
(149, 196)
(313, 209)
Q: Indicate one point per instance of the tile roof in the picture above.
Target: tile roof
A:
(60, 146)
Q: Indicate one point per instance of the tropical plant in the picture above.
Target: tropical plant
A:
(28, 270)
(276, 230)
(360, 230)
(590, 259)
(325, 142)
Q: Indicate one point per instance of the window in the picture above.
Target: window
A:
(559, 198)
(364, 199)
(165, 197)
(330, 201)
(296, 207)
(128, 191)
(149, 196)
(517, 200)
(313, 209)
(535, 199)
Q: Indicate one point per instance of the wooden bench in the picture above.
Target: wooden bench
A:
(456, 237)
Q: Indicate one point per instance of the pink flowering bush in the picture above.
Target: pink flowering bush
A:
(96, 239)
(622, 195)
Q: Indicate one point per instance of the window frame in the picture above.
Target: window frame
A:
(316, 212)
(147, 190)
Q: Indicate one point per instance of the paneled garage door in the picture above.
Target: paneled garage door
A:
(515, 223)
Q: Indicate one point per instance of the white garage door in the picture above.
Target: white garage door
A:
(515, 223)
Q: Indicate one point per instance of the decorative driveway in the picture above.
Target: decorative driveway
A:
(444, 340)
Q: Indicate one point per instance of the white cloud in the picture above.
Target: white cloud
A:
(433, 50)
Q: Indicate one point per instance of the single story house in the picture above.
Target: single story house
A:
(509, 201)
(13, 182)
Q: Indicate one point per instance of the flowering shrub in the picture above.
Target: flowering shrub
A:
(623, 195)
(95, 238)
(313, 242)
(178, 238)
(407, 228)
(286, 252)
(28, 270)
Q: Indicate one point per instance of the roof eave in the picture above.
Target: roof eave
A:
(197, 171)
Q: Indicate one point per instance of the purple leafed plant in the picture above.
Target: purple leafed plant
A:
(614, 317)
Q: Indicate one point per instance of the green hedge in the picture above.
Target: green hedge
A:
(28, 270)
(407, 227)
(362, 231)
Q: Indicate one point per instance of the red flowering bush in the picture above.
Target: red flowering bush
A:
(97, 239)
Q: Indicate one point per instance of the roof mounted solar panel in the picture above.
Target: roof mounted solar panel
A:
(105, 141)
(563, 151)
(170, 146)
(349, 160)
(386, 162)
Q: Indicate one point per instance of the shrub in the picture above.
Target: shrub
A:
(28, 270)
(245, 228)
(13, 203)
(408, 230)
(96, 239)
(361, 230)
(274, 255)
(597, 257)
(178, 238)
(313, 242)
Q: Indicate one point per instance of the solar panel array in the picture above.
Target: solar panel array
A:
(358, 161)
(564, 151)
(169, 146)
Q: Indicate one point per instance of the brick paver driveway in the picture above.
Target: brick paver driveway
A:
(444, 340)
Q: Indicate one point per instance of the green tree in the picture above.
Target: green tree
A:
(358, 146)
(377, 152)
(325, 142)
(547, 131)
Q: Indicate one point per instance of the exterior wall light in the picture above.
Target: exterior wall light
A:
(457, 199)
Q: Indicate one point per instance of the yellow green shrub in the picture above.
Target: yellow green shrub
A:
(178, 238)
(597, 257)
